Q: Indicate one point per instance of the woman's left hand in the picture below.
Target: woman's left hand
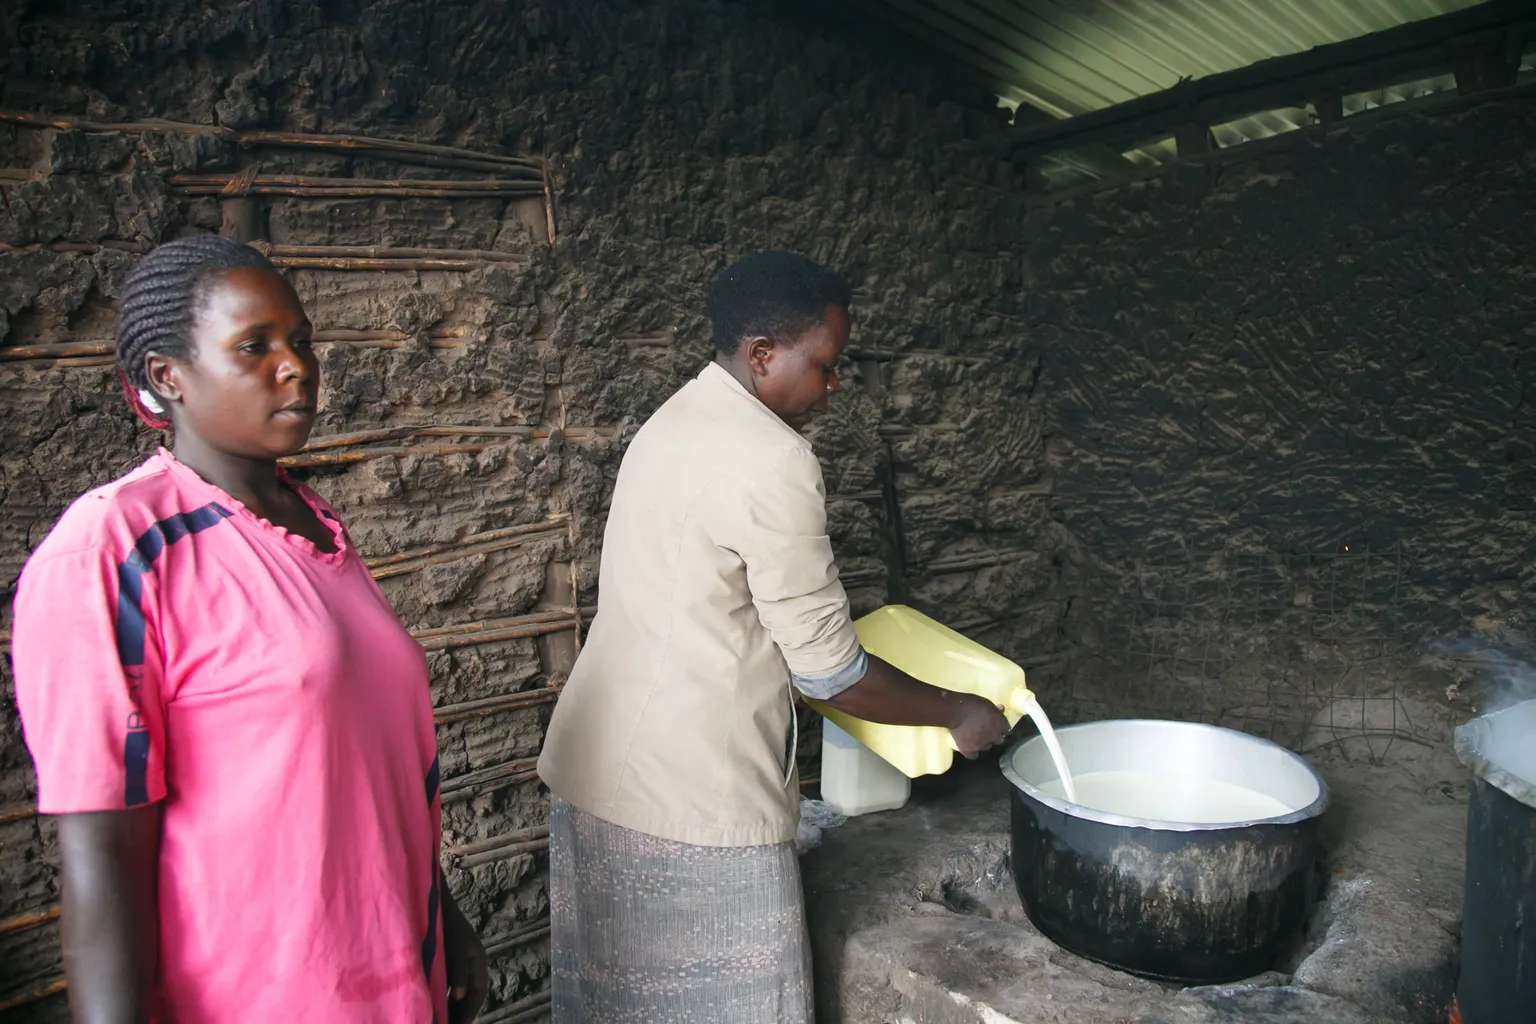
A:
(469, 975)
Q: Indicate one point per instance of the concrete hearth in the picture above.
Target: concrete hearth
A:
(914, 917)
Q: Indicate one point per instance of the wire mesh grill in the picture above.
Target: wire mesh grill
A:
(1304, 649)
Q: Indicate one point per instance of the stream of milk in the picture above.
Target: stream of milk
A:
(1043, 723)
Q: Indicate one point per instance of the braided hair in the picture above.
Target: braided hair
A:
(156, 306)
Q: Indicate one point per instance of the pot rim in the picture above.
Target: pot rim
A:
(1312, 810)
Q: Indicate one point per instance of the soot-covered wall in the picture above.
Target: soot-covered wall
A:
(1321, 347)
(678, 135)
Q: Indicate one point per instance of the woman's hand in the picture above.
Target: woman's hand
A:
(469, 975)
(978, 724)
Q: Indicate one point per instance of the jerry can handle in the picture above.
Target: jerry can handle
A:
(1018, 702)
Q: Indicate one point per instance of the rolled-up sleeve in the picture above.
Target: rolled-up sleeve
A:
(781, 536)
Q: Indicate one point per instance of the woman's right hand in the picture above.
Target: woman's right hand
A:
(978, 724)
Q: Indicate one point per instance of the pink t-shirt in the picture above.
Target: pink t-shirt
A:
(171, 646)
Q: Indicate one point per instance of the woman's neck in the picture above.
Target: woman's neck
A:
(252, 482)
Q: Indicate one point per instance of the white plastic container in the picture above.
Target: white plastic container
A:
(854, 779)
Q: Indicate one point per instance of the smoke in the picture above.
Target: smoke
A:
(1505, 676)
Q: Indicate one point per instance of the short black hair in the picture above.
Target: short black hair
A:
(158, 300)
(778, 295)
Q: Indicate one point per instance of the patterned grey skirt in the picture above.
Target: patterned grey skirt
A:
(648, 931)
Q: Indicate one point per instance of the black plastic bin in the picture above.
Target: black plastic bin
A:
(1498, 929)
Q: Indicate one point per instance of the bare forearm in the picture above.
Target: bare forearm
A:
(888, 695)
(110, 913)
(891, 697)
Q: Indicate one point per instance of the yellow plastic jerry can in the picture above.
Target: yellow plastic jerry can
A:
(935, 654)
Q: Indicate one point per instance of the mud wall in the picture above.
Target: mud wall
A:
(1319, 351)
(676, 136)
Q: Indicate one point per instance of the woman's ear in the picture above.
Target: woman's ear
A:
(164, 376)
(759, 354)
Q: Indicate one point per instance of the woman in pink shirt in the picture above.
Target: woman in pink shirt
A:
(227, 718)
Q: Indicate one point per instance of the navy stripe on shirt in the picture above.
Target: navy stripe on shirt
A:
(130, 628)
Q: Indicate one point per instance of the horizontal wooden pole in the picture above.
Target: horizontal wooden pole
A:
(506, 943)
(460, 795)
(24, 922)
(52, 988)
(527, 182)
(350, 263)
(491, 636)
(519, 1012)
(410, 152)
(64, 350)
(16, 812)
(553, 615)
(552, 522)
(389, 252)
(449, 713)
(83, 248)
(377, 434)
(346, 457)
(510, 190)
(459, 554)
(497, 774)
(521, 835)
(982, 560)
(323, 257)
(475, 860)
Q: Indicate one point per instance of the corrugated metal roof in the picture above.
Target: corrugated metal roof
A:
(1060, 58)
(1067, 57)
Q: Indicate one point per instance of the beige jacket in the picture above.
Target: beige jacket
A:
(717, 586)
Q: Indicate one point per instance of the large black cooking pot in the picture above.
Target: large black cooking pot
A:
(1175, 900)
(1498, 927)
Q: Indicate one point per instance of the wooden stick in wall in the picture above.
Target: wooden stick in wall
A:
(419, 430)
(370, 144)
(966, 563)
(459, 554)
(475, 538)
(84, 248)
(349, 457)
(448, 337)
(345, 458)
(389, 252)
(501, 782)
(520, 1012)
(474, 860)
(411, 152)
(347, 188)
(73, 348)
(549, 202)
(499, 776)
(490, 636)
(16, 812)
(370, 263)
(25, 922)
(443, 554)
(325, 257)
(490, 625)
(494, 705)
(52, 988)
(506, 943)
(521, 835)
(77, 363)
